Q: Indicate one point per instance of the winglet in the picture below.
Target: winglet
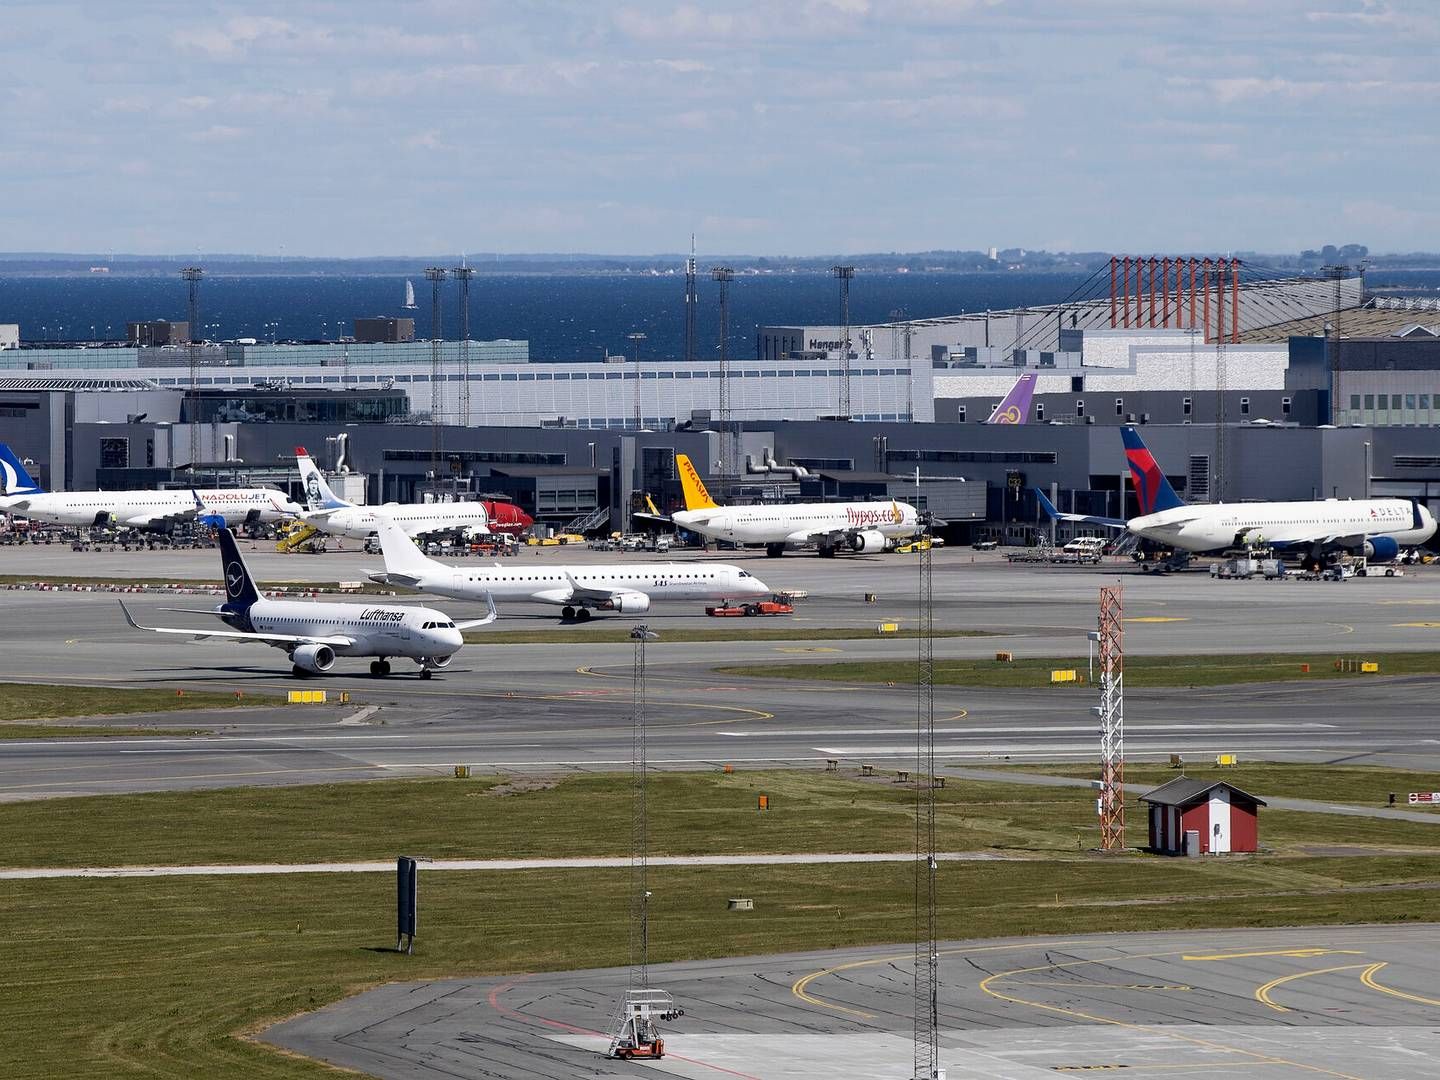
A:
(470, 624)
(131, 618)
(693, 488)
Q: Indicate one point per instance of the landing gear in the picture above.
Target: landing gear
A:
(583, 615)
(425, 673)
(774, 551)
(826, 551)
(567, 613)
(379, 668)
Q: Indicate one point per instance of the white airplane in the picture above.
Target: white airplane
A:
(858, 526)
(159, 510)
(314, 634)
(331, 514)
(1376, 528)
(624, 588)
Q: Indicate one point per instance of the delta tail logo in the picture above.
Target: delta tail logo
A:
(1152, 491)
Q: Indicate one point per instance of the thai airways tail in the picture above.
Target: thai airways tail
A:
(1152, 490)
(696, 497)
(240, 591)
(1015, 409)
(17, 480)
(318, 495)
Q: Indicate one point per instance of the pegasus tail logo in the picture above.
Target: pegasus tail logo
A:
(17, 480)
(1015, 409)
(1152, 490)
(696, 497)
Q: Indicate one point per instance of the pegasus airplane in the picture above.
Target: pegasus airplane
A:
(625, 588)
(331, 514)
(1015, 408)
(314, 634)
(856, 526)
(1375, 528)
(158, 510)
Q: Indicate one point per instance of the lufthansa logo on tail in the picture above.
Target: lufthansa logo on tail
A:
(234, 578)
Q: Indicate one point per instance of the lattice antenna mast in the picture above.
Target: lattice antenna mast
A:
(844, 273)
(637, 339)
(927, 954)
(463, 274)
(640, 821)
(1332, 338)
(723, 275)
(435, 275)
(1221, 379)
(1111, 712)
(692, 301)
(192, 276)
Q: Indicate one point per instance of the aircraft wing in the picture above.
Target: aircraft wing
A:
(595, 596)
(389, 577)
(642, 515)
(149, 521)
(470, 624)
(238, 635)
(1088, 519)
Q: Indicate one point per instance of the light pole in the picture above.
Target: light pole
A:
(636, 338)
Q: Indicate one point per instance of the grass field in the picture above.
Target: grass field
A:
(1140, 671)
(154, 978)
(11, 731)
(34, 701)
(740, 629)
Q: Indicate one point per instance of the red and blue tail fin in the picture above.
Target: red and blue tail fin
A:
(1015, 409)
(1152, 490)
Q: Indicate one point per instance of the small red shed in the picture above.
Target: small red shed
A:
(1226, 818)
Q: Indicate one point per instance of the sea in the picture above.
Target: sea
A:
(579, 316)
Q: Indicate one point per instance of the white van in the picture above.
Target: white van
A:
(1086, 548)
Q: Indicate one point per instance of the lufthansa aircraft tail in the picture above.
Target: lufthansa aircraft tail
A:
(1152, 490)
(696, 497)
(318, 495)
(240, 591)
(1015, 409)
(17, 480)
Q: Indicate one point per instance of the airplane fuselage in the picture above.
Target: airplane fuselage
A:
(375, 629)
(1342, 522)
(149, 509)
(415, 519)
(798, 523)
(557, 584)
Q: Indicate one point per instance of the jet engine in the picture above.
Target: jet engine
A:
(1381, 549)
(630, 603)
(868, 541)
(437, 661)
(313, 658)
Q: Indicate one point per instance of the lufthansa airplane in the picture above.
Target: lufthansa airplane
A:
(1376, 528)
(625, 588)
(314, 634)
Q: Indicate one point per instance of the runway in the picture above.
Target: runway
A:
(1355, 1003)
(562, 707)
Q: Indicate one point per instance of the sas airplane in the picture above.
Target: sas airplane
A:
(1015, 407)
(625, 588)
(314, 634)
(1375, 528)
(157, 510)
(855, 526)
(331, 514)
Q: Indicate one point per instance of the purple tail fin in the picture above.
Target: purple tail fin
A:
(1015, 409)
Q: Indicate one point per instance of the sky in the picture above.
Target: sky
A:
(804, 127)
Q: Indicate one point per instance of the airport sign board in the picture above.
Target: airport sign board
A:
(1425, 798)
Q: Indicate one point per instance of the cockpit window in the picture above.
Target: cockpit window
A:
(744, 573)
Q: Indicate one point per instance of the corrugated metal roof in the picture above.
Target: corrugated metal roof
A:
(1184, 790)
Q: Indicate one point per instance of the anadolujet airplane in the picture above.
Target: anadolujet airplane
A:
(1376, 528)
(159, 510)
(314, 634)
(331, 514)
(855, 526)
(623, 588)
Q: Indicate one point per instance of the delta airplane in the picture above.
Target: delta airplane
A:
(159, 510)
(331, 514)
(858, 526)
(1376, 528)
(626, 589)
(1015, 407)
(314, 634)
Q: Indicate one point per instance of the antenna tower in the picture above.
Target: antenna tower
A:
(692, 301)
(1332, 338)
(1111, 712)
(640, 820)
(192, 276)
(729, 450)
(435, 275)
(844, 273)
(927, 953)
(1221, 378)
(463, 274)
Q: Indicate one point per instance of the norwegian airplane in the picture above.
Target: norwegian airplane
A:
(625, 588)
(154, 510)
(314, 634)
(1376, 528)
(331, 514)
(854, 526)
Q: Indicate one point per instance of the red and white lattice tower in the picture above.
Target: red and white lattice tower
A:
(1112, 719)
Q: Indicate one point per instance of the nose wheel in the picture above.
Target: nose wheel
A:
(379, 668)
(425, 673)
